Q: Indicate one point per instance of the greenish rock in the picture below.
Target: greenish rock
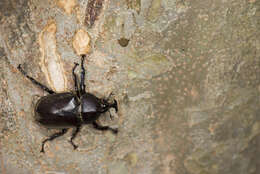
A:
(110, 22)
(131, 158)
(132, 74)
(255, 130)
(118, 167)
(194, 167)
(110, 136)
(155, 10)
(134, 4)
(148, 67)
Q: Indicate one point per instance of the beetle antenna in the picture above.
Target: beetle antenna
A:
(82, 75)
(75, 79)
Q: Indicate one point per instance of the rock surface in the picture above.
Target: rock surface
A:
(187, 82)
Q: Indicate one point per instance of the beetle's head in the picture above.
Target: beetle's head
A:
(92, 107)
(106, 105)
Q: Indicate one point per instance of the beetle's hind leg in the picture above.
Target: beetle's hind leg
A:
(82, 75)
(45, 88)
(52, 137)
(74, 134)
(104, 128)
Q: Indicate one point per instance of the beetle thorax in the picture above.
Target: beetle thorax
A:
(90, 108)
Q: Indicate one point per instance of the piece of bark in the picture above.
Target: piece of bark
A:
(93, 10)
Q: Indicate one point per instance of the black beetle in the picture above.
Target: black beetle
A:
(70, 109)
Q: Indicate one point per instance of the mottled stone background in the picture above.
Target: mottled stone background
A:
(188, 84)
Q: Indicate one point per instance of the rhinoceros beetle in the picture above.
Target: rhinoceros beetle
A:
(70, 109)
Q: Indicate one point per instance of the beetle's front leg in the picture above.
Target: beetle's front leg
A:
(74, 134)
(104, 128)
(82, 76)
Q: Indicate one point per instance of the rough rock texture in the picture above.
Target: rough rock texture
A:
(187, 82)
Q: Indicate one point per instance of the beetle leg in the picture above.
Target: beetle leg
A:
(43, 87)
(104, 128)
(74, 134)
(75, 79)
(52, 137)
(82, 75)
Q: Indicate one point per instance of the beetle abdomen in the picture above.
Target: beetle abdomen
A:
(58, 110)
(58, 122)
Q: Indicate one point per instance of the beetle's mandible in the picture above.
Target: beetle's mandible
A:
(70, 109)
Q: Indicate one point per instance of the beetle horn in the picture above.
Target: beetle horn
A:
(114, 105)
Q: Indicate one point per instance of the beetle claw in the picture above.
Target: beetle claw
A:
(115, 131)
(75, 147)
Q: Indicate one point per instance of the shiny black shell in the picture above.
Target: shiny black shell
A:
(90, 108)
(59, 110)
(70, 109)
(64, 110)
